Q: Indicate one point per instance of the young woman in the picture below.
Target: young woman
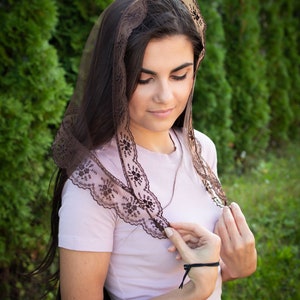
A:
(131, 165)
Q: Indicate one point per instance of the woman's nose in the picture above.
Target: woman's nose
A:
(163, 92)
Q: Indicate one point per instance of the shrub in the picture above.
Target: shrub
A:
(279, 83)
(290, 13)
(245, 67)
(33, 95)
(211, 107)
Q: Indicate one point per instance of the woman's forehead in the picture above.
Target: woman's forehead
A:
(170, 51)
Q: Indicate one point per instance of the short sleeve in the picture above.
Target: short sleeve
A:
(84, 225)
(209, 152)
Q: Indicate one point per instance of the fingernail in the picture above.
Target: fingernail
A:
(234, 205)
(226, 208)
(169, 231)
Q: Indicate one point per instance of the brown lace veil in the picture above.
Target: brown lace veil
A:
(133, 200)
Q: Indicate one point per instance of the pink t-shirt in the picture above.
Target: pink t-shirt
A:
(141, 266)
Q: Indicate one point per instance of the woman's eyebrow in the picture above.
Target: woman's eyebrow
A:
(172, 71)
(182, 67)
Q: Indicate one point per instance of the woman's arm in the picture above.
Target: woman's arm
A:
(238, 252)
(82, 274)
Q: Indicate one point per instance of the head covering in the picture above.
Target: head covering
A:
(133, 200)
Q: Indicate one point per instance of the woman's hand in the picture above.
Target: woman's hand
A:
(196, 244)
(238, 252)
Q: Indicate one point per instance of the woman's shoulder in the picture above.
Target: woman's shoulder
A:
(203, 139)
(208, 148)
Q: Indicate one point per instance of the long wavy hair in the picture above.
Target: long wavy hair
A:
(96, 124)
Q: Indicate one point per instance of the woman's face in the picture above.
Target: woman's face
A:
(164, 85)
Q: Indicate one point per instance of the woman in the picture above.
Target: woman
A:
(131, 165)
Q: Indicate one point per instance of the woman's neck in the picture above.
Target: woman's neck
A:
(160, 142)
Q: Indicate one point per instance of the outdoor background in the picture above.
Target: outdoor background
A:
(247, 99)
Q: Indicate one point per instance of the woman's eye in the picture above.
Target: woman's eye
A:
(179, 77)
(149, 79)
(144, 81)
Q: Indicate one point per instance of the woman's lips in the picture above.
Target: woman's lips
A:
(161, 113)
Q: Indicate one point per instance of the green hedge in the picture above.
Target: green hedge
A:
(246, 71)
(279, 82)
(246, 99)
(212, 99)
(33, 94)
(291, 14)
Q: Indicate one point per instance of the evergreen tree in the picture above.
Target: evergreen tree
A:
(33, 95)
(211, 107)
(290, 13)
(279, 84)
(245, 67)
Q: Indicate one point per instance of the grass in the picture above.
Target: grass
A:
(269, 197)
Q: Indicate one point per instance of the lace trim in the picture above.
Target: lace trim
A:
(194, 10)
(134, 206)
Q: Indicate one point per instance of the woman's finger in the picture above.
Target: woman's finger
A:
(221, 231)
(194, 230)
(177, 240)
(231, 226)
(240, 219)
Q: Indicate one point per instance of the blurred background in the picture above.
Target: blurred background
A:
(247, 99)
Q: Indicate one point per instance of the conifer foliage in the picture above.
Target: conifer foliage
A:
(33, 94)
(212, 99)
(290, 12)
(279, 82)
(246, 71)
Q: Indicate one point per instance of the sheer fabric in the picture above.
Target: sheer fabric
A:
(132, 199)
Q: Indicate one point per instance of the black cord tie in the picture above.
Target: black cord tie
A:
(187, 268)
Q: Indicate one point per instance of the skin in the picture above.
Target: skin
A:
(82, 274)
(160, 97)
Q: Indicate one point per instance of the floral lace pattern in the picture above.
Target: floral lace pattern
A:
(137, 206)
(194, 10)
